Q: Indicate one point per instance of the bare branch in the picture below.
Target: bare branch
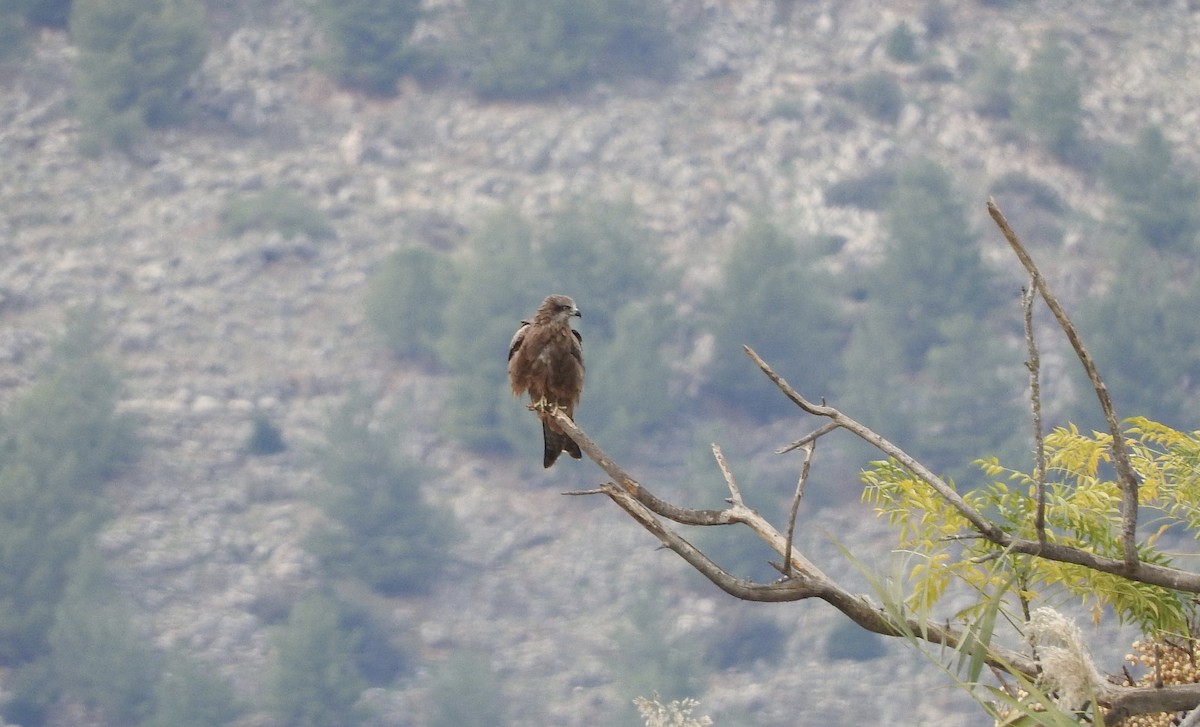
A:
(1149, 573)
(1125, 473)
(805, 581)
(734, 494)
(1034, 364)
(977, 520)
(813, 436)
(809, 448)
(1123, 702)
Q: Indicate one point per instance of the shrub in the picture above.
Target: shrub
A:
(746, 641)
(386, 534)
(937, 18)
(50, 13)
(369, 39)
(134, 62)
(314, 681)
(879, 95)
(265, 439)
(406, 300)
(530, 48)
(12, 35)
(188, 694)
(867, 191)
(991, 85)
(771, 299)
(901, 44)
(275, 208)
(1048, 100)
(1158, 198)
(466, 693)
(59, 443)
(97, 655)
(1037, 192)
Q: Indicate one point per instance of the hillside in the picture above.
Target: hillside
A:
(209, 329)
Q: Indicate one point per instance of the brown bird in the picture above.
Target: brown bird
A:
(545, 358)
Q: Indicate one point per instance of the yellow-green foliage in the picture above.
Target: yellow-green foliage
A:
(1082, 511)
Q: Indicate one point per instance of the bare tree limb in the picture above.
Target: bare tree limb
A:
(1126, 475)
(1034, 364)
(813, 436)
(806, 579)
(734, 493)
(803, 579)
(977, 520)
(1123, 702)
(1149, 573)
(809, 448)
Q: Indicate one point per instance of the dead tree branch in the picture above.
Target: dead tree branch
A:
(806, 580)
(1128, 479)
(1034, 364)
(1152, 574)
(802, 579)
(809, 448)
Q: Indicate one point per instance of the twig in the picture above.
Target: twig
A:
(812, 436)
(735, 495)
(809, 448)
(1034, 365)
(1126, 475)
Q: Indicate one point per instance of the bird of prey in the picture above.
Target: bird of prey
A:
(545, 358)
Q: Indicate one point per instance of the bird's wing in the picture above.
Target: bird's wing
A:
(517, 339)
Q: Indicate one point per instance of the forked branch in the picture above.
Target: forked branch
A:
(805, 579)
(1126, 475)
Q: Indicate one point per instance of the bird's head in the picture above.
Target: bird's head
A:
(558, 308)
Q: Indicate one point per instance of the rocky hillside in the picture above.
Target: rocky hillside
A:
(210, 329)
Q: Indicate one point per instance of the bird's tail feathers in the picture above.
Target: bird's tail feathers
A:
(556, 443)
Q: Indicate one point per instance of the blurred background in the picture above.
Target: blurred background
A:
(259, 463)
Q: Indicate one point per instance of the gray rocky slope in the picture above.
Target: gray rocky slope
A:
(209, 329)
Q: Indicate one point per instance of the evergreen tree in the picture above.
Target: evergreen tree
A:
(1158, 198)
(188, 694)
(630, 397)
(97, 655)
(466, 693)
(1145, 337)
(933, 268)
(490, 299)
(1048, 99)
(314, 681)
(387, 535)
(601, 255)
(58, 445)
(922, 367)
(134, 62)
(407, 298)
(772, 299)
(369, 39)
(529, 48)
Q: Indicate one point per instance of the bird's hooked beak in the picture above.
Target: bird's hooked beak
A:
(575, 312)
